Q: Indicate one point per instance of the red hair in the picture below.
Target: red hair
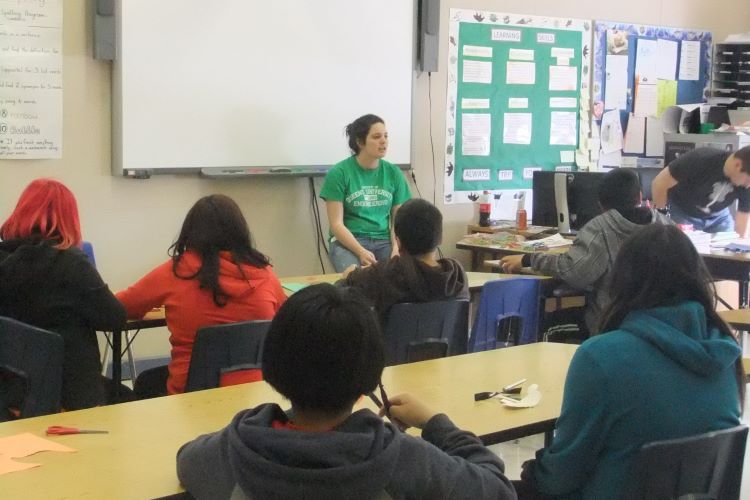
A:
(46, 209)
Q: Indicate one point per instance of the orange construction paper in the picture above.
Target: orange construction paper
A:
(23, 445)
(9, 465)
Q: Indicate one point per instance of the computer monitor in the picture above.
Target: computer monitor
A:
(577, 204)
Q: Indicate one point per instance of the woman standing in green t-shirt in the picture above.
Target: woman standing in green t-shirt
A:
(362, 194)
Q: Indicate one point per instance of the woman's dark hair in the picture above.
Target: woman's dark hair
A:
(215, 224)
(419, 226)
(659, 266)
(356, 131)
(324, 348)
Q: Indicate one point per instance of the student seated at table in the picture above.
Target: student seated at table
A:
(416, 274)
(215, 276)
(588, 263)
(667, 367)
(48, 282)
(323, 352)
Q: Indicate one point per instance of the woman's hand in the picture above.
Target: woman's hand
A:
(511, 264)
(366, 258)
(406, 411)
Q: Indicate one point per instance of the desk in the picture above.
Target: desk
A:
(137, 458)
(496, 251)
(732, 266)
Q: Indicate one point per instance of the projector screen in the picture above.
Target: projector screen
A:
(249, 83)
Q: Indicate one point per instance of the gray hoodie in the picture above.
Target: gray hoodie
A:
(587, 265)
(362, 458)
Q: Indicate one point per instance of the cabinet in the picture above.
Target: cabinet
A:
(731, 74)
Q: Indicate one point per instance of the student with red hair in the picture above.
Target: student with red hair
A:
(48, 282)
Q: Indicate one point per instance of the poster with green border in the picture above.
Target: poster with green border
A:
(517, 101)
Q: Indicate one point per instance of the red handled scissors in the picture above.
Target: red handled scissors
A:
(59, 430)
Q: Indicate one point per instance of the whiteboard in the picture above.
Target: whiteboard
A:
(251, 83)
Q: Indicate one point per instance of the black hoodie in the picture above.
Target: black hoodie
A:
(362, 458)
(60, 291)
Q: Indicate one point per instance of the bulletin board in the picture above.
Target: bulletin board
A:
(638, 72)
(517, 89)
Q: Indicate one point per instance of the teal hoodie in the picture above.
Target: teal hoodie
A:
(664, 374)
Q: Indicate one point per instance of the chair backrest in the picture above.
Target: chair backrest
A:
(419, 331)
(224, 347)
(88, 249)
(509, 303)
(704, 466)
(35, 356)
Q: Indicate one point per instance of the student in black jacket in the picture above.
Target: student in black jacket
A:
(48, 282)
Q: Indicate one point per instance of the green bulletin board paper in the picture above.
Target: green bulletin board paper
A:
(666, 95)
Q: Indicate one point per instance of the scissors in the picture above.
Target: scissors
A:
(59, 430)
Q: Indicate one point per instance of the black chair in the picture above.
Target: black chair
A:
(699, 467)
(427, 330)
(32, 360)
(225, 348)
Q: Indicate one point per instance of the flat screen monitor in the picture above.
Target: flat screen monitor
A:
(582, 194)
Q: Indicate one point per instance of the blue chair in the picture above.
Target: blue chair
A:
(34, 359)
(508, 314)
(426, 330)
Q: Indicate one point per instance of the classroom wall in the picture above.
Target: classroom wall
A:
(132, 222)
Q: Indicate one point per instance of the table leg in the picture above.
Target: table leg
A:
(743, 284)
(548, 435)
(475, 259)
(116, 364)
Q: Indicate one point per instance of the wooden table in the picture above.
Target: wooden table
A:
(732, 266)
(496, 251)
(137, 458)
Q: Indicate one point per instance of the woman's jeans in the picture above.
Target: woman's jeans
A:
(341, 257)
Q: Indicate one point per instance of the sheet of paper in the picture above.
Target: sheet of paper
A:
(666, 95)
(517, 128)
(563, 78)
(635, 135)
(611, 132)
(563, 129)
(646, 60)
(690, 60)
(565, 52)
(666, 59)
(520, 73)
(7, 465)
(562, 102)
(477, 71)
(518, 102)
(654, 137)
(475, 146)
(521, 55)
(616, 82)
(645, 100)
(567, 156)
(582, 160)
(467, 103)
(613, 159)
(476, 129)
(23, 445)
(477, 51)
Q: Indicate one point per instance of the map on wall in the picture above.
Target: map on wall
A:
(31, 88)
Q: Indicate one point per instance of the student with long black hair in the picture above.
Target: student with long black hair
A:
(214, 276)
(666, 367)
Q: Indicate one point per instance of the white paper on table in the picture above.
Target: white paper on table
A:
(475, 146)
(477, 51)
(635, 135)
(654, 137)
(563, 128)
(646, 60)
(666, 59)
(563, 78)
(563, 102)
(611, 132)
(616, 82)
(517, 128)
(567, 156)
(646, 99)
(565, 52)
(690, 60)
(467, 103)
(477, 71)
(613, 159)
(518, 102)
(532, 398)
(520, 73)
(521, 54)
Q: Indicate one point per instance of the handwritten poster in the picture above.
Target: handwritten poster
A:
(31, 105)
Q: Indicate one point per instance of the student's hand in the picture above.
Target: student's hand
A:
(406, 411)
(367, 258)
(511, 264)
(348, 270)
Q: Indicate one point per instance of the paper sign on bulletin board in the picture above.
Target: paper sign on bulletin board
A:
(517, 89)
(639, 71)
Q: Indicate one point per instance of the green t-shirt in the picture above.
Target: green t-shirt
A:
(367, 195)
